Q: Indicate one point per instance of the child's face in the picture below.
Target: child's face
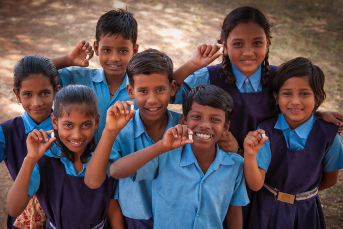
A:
(296, 101)
(36, 94)
(114, 53)
(247, 46)
(151, 94)
(207, 124)
(76, 130)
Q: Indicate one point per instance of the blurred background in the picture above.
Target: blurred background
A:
(312, 29)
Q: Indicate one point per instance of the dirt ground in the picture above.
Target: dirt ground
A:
(313, 29)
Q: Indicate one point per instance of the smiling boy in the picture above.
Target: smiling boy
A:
(197, 185)
(116, 36)
(151, 85)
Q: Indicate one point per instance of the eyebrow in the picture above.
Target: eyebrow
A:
(240, 39)
(304, 89)
(106, 46)
(25, 91)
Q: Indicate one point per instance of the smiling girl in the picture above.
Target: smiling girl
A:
(56, 174)
(301, 156)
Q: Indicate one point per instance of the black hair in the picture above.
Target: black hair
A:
(243, 14)
(209, 95)
(301, 67)
(117, 22)
(150, 61)
(34, 65)
(75, 98)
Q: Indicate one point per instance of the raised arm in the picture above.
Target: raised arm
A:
(332, 117)
(254, 175)
(77, 57)
(127, 166)
(118, 116)
(202, 56)
(17, 197)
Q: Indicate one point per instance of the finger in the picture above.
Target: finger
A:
(184, 131)
(202, 48)
(207, 51)
(216, 55)
(38, 134)
(113, 110)
(179, 130)
(81, 44)
(85, 46)
(174, 132)
(213, 50)
(44, 134)
(89, 49)
(33, 136)
(126, 107)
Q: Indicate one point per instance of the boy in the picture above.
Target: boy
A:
(197, 185)
(116, 36)
(151, 84)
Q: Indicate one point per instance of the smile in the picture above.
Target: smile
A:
(248, 61)
(75, 143)
(203, 136)
(293, 110)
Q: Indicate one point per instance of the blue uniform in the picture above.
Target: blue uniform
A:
(296, 140)
(64, 197)
(95, 79)
(184, 197)
(135, 197)
(13, 135)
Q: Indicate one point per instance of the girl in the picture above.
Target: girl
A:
(56, 174)
(301, 156)
(244, 73)
(35, 80)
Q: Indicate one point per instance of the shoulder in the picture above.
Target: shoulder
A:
(238, 159)
(176, 116)
(269, 123)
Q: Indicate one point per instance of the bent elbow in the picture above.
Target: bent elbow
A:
(91, 184)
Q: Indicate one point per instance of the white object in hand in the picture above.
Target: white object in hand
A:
(190, 137)
(52, 134)
(221, 49)
(264, 135)
(132, 107)
(87, 57)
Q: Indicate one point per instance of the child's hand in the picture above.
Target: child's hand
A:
(119, 115)
(205, 54)
(253, 142)
(176, 137)
(35, 145)
(332, 117)
(228, 142)
(79, 54)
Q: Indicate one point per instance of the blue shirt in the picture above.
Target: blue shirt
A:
(244, 84)
(135, 197)
(29, 125)
(296, 140)
(68, 165)
(95, 79)
(185, 197)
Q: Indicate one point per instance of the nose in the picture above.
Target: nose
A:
(295, 99)
(37, 101)
(115, 57)
(248, 50)
(152, 98)
(77, 133)
(205, 124)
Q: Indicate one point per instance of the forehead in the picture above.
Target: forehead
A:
(296, 83)
(76, 116)
(206, 110)
(115, 40)
(151, 80)
(36, 83)
(244, 30)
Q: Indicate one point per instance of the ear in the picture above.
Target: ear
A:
(97, 121)
(16, 92)
(226, 127)
(58, 88)
(173, 88)
(96, 48)
(224, 46)
(130, 91)
(54, 121)
(183, 120)
(276, 97)
(268, 40)
(135, 49)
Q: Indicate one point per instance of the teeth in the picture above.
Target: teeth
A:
(114, 66)
(76, 143)
(153, 109)
(203, 136)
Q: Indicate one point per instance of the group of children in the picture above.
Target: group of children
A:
(111, 155)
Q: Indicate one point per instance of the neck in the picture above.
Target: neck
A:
(155, 128)
(114, 83)
(205, 157)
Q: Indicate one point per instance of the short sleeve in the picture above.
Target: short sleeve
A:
(34, 181)
(333, 158)
(64, 77)
(74, 75)
(240, 195)
(200, 77)
(148, 172)
(2, 145)
(264, 155)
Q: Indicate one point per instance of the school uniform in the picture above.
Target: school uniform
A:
(135, 197)
(252, 102)
(95, 79)
(64, 197)
(294, 161)
(13, 135)
(184, 197)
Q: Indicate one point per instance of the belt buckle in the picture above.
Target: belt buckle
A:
(285, 197)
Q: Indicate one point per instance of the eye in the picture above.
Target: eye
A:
(27, 94)
(106, 50)
(160, 89)
(143, 91)
(237, 44)
(258, 43)
(215, 119)
(195, 116)
(86, 125)
(45, 93)
(68, 125)
(286, 93)
(124, 51)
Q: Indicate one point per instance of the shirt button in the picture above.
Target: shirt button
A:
(197, 215)
(202, 182)
(247, 80)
